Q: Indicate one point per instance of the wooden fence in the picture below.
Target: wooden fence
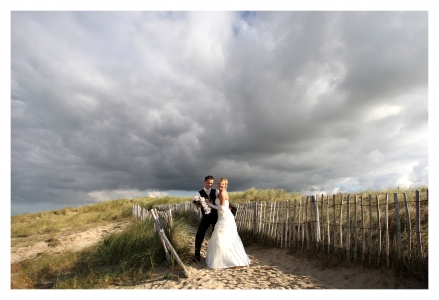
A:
(371, 229)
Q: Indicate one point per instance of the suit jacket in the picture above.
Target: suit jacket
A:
(213, 212)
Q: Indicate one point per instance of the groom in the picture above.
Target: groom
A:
(210, 219)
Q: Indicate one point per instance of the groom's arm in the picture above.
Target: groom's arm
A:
(217, 207)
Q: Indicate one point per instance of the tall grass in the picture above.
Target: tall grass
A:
(42, 225)
(267, 195)
(27, 229)
(122, 258)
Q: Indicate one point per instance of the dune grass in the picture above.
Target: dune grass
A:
(122, 258)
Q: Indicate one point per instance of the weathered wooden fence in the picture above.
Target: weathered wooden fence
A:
(371, 229)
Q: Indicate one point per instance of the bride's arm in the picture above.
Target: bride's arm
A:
(222, 198)
(222, 203)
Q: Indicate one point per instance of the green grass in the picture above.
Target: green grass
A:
(122, 258)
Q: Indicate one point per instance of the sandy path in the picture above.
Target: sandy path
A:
(65, 242)
(273, 269)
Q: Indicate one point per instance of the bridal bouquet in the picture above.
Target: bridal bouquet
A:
(200, 202)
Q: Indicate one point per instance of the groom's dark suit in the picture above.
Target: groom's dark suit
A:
(206, 221)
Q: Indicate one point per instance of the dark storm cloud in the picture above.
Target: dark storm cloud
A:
(106, 102)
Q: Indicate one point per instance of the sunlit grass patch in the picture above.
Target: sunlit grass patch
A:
(120, 258)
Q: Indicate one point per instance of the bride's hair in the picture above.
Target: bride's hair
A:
(225, 180)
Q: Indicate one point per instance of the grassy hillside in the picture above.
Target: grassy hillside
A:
(43, 225)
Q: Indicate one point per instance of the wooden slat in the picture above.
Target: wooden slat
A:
(398, 226)
(363, 236)
(334, 226)
(299, 227)
(306, 222)
(312, 219)
(409, 228)
(270, 224)
(387, 231)
(370, 229)
(323, 224)
(275, 220)
(355, 228)
(262, 218)
(418, 224)
(159, 230)
(293, 224)
(168, 245)
(379, 230)
(303, 222)
(255, 221)
(341, 221)
(276, 232)
(327, 223)
(317, 222)
(348, 229)
(286, 222)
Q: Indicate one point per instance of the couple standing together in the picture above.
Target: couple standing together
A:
(225, 248)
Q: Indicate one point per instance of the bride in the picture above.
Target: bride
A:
(225, 249)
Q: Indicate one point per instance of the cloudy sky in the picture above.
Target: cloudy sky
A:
(108, 105)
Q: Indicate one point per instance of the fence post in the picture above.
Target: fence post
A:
(370, 228)
(255, 224)
(418, 224)
(311, 219)
(334, 226)
(170, 218)
(317, 222)
(262, 218)
(300, 228)
(348, 229)
(327, 222)
(398, 224)
(409, 228)
(303, 221)
(270, 221)
(276, 232)
(363, 237)
(379, 230)
(387, 231)
(306, 222)
(341, 222)
(322, 224)
(293, 226)
(286, 222)
(355, 228)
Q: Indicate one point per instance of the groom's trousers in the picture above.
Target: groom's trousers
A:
(206, 221)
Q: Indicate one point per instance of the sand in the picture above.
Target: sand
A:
(270, 269)
(274, 269)
(65, 242)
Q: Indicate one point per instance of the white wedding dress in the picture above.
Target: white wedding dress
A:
(225, 248)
